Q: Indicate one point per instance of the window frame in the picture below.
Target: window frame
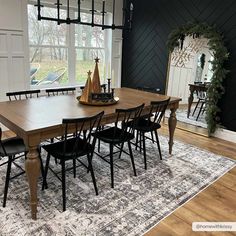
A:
(71, 47)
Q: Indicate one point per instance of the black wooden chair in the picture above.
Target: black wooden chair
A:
(60, 91)
(57, 92)
(149, 89)
(71, 148)
(116, 135)
(103, 86)
(26, 94)
(150, 124)
(13, 148)
(201, 95)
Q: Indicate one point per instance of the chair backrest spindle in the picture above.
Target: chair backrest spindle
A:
(60, 91)
(157, 110)
(82, 129)
(128, 118)
(18, 95)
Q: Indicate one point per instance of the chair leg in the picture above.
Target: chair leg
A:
(200, 111)
(46, 173)
(136, 144)
(132, 158)
(92, 172)
(196, 107)
(121, 150)
(158, 144)
(111, 165)
(42, 170)
(140, 141)
(144, 151)
(152, 137)
(74, 167)
(99, 141)
(7, 180)
(99, 145)
(63, 180)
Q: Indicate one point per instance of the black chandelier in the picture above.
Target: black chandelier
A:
(127, 15)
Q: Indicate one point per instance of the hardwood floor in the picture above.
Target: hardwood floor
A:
(215, 204)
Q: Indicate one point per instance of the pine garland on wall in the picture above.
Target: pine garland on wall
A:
(220, 53)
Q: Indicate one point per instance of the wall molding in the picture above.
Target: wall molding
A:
(225, 135)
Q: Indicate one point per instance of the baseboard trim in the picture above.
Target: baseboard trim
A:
(225, 135)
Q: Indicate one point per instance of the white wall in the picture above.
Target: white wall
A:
(10, 15)
(14, 66)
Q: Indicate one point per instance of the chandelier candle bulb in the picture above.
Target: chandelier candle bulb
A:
(68, 12)
(58, 11)
(113, 14)
(131, 15)
(79, 19)
(124, 12)
(103, 13)
(93, 10)
(39, 10)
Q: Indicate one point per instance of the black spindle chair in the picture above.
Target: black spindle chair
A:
(116, 135)
(201, 95)
(13, 148)
(71, 148)
(150, 124)
(26, 94)
(60, 91)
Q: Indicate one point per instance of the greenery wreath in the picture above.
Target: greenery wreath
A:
(220, 53)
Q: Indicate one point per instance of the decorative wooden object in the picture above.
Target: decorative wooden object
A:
(96, 78)
(92, 93)
(88, 89)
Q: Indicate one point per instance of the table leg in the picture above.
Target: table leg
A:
(172, 124)
(32, 168)
(190, 101)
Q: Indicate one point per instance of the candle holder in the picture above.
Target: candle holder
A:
(106, 97)
(96, 94)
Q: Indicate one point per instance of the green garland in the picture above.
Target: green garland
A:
(220, 53)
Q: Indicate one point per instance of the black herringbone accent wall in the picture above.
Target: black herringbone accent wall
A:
(145, 55)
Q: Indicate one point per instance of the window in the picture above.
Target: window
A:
(48, 49)
(52, 46)
(89, 44)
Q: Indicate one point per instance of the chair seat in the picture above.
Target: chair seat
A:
(114, 135)
(145, 125)
(57, 149)
(12, 146)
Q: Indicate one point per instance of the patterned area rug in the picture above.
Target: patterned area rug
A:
(131, 208)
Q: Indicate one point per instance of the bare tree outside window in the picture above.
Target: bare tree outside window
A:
(48, 44)
(48, 48)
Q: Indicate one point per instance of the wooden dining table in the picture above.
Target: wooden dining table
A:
(38, 119)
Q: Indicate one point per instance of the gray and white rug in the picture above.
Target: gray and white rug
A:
(135, 204)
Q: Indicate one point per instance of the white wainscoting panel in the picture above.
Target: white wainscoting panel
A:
(3, 77)
(12, 62)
